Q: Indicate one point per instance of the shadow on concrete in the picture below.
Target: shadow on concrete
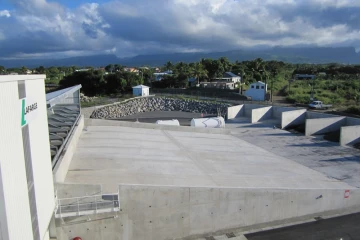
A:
(344, 227)
(316, 144)
(344, 159)
(287, 134)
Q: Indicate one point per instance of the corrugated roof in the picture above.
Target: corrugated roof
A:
(231, 74)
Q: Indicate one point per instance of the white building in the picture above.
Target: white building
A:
(257, 91)
(229, 77)
(160, 76)
(141, 90)
(27, 199)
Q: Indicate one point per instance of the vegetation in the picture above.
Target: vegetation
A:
(334, 83)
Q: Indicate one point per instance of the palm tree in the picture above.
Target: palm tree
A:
(199, 71)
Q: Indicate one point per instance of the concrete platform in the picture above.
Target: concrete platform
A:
(336, 162)
(111, 156)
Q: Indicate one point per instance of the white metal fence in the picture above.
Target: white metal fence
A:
(87, 205)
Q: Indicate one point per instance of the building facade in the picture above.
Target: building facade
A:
(27, 198)
(141, 90)
(257, 91)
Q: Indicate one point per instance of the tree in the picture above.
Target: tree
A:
(40, 70)
(199, 71)
(24, 69)
(169, 66)
(109, 68)
(117, 68)
(2, 70)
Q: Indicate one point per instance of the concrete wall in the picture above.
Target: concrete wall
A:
(100, 122)
(236, 111)
(323, 125)
(349, 135)
(352, 121)
(293, 118)
(250, 107)
(62, 167)
(278, 110)
(160, 212)
(315, 115)
(260, 114)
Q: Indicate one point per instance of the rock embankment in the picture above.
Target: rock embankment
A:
(158, 104)
(84, 98)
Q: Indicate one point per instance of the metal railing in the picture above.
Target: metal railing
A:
(87, 205)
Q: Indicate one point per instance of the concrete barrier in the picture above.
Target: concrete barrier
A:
(315, 115)
(159, 212)
(260, 114)
(250, 107)
(349, 135)
(293, 118)
(236, 111)
(62, 166)
(350, 121)
(101, 122)
(278, 110)
(323, 125)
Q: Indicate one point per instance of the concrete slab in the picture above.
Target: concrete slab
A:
(337, 162)
(110, 156)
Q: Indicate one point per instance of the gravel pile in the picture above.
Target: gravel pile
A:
(158, 104)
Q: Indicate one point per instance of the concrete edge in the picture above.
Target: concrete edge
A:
(349, 135)
(105, 122)
(242, 231)
(62, 167)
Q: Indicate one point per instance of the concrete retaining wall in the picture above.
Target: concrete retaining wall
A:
(315, 115)
(236, 111)
(100, 122)
(160, 212)
(62, 167)
(278, 110)
(174, 212)
(349, 135)
(260, 114)
(293, 118)
(323, 125)
(250, 107)
(352, 121)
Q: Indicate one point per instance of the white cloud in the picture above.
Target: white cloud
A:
(5, 13)
(130, 27)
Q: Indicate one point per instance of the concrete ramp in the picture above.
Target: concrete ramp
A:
(159, 212)
(261, 114)
(349, 135)
(293, 118)
(324, 125)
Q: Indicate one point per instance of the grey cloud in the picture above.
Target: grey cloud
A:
(142, 26)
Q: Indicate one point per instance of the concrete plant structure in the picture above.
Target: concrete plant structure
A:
(140, 181)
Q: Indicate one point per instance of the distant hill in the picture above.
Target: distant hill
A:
(345, 55)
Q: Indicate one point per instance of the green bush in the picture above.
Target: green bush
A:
(353, 110)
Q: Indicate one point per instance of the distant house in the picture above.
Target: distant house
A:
(132, 70)
(221, 85)
(192, 82)
(304, 77)
(229, 77)
(83, 70)
(141, 90)
(159, 76)
(257, 91)
(29, 71)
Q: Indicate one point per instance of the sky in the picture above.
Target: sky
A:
(66, 28)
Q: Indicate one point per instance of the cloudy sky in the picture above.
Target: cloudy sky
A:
(61, 28)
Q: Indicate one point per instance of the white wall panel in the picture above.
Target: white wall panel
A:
(41, 157)
(14, 202)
